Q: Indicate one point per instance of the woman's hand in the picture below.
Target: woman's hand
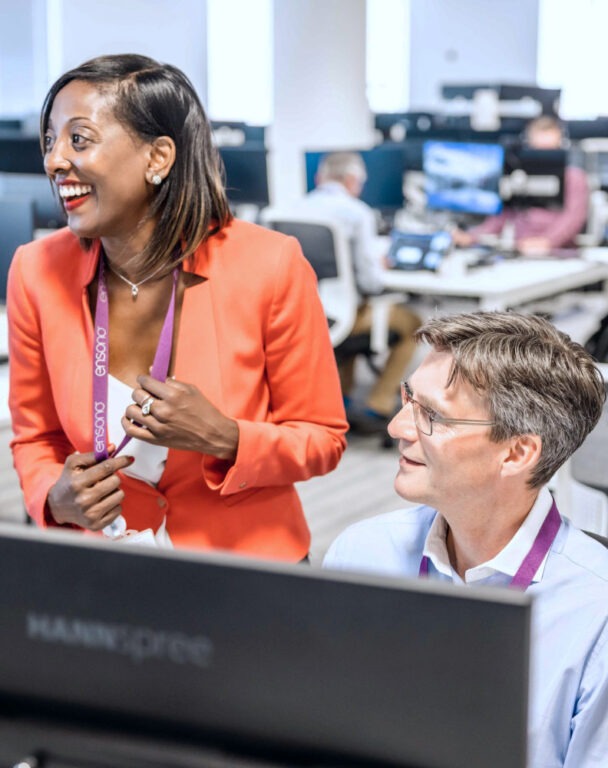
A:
(178, 415)
(462, 239)
(88, 492)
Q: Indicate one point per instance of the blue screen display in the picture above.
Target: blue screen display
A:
(385, 166)
(463, 177)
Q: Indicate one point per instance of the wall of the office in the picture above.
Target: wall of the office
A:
(319, 85)
(168, 30)
(19, 55)
(40, 39)
(470, 41)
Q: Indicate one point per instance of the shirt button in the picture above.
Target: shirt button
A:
(243, 485)
(161, 502)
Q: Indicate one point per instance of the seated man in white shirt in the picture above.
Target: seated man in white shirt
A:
(340, 179)
(498, 404)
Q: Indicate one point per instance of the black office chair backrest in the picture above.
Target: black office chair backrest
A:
(317, 244)
(598, 537)
(16, 228)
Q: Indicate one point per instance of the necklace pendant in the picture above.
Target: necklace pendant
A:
(134, 291)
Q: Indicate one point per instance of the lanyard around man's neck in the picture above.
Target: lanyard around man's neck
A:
(535, 556)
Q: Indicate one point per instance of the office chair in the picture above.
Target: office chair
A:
(16, 228)
(602, 539)
(584, 498)
(327, 249)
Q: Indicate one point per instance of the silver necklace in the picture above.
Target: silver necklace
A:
(134, 286)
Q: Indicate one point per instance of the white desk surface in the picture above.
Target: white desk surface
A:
(506, 284)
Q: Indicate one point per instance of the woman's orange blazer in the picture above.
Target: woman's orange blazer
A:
(252, 337)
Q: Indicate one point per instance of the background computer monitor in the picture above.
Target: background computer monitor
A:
(385, 166)
(213, 650)
(547, 99)
(234, 133)
(397, 126)
(577, 130)
(48, 210)
(533, 177)
(463, 177)
(19, 153)
(246, 174)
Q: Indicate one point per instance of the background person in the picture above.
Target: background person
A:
(339, 182)
(497, 405)
(538, 230)
(241, 405)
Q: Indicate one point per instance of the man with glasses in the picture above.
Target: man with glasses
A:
(499, 403)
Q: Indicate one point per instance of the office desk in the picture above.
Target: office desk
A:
(504, 285)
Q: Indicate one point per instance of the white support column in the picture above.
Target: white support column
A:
(319, 87)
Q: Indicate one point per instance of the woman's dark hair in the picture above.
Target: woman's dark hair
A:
(152, 99)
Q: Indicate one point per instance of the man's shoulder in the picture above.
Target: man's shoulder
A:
(329, 200)
(388, 543)
(584, 555)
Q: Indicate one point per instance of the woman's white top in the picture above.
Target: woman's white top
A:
(150, 460)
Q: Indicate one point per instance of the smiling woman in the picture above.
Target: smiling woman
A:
(171, 370)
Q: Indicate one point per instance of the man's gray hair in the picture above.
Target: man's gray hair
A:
(535, 379)
(338, 165)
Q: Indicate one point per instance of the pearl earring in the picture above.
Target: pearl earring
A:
(157, 179)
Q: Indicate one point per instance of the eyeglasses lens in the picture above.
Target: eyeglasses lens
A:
(421, 416)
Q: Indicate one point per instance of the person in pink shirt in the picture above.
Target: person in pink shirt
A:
(538, 230)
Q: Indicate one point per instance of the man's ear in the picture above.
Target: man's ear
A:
(162, 158)
(522, 455)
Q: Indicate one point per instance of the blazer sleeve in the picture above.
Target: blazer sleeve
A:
(304, 433)
(571, 219)
(39, 444)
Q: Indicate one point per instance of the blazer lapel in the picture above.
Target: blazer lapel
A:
(198, 350)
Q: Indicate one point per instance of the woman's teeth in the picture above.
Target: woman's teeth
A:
(67, 191)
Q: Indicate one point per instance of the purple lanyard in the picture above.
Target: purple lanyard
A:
(531, 562)
(101, 358)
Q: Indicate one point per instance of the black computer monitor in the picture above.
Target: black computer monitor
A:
(547, 98)
(213, 652)
(48, 210)
(533, 177)
(246, 174)
(233, 132)
(11, 124)
(398, 126)
(577, 130)
(463, 177)
(385, 165)
(19, 153)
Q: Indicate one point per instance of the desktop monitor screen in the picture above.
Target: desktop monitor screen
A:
(246, 174)
(534, 178)
(398, 126)
(48, 210)
(385, 166)
(209, 649)
(463, 177)
(19, 153)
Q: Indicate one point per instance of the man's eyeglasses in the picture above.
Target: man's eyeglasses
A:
(424, 418)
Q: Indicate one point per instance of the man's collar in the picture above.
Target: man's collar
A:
(507, 561)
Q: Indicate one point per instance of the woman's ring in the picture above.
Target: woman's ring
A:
(146, 406)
